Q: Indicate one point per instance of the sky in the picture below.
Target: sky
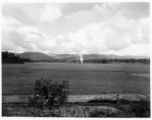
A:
(77, 28)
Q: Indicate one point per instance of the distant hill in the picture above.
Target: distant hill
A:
(95, 56)
(99, 56)
(77, 56)
(134, 57)
(35, 56)
(42, 56)
(66, 56)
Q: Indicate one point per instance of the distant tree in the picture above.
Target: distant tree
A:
(8, 57)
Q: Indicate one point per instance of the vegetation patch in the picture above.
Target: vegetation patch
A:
(50, 100)
(121, 111)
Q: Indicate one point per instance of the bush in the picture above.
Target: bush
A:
(142, 109)
(47, 93)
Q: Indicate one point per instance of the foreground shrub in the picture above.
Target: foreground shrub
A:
(47, 93)
(75, 111)
(142, 109)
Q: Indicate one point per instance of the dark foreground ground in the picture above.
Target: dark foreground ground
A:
(111, 105)
(108, 109)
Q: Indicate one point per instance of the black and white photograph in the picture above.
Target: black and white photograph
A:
(75, 59)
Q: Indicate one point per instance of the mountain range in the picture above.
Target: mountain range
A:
(42, 56)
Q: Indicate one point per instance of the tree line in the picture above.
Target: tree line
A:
(104, 61)
(99, 61)
(9, 57)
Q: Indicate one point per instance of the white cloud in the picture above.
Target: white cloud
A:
(115, 41)
(27, 14)
(143, 32)
(102, 11)
(114, 35)
(134, 49)
(121, 24)
(103, 29)
(9, 23)
(50, 13)
(90, 39)
(145, 29)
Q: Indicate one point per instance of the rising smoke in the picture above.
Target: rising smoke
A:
(81, 58)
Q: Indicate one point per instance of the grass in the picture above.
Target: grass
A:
(83, 78)
(64, 111)
(138, 109)
(87, 79)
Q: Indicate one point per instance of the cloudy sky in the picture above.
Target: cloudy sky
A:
(77, 28)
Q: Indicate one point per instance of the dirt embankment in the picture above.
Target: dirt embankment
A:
(79, 98)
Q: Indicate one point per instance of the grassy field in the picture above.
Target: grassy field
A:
(83, 78)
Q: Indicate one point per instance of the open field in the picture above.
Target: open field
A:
(83, 78)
